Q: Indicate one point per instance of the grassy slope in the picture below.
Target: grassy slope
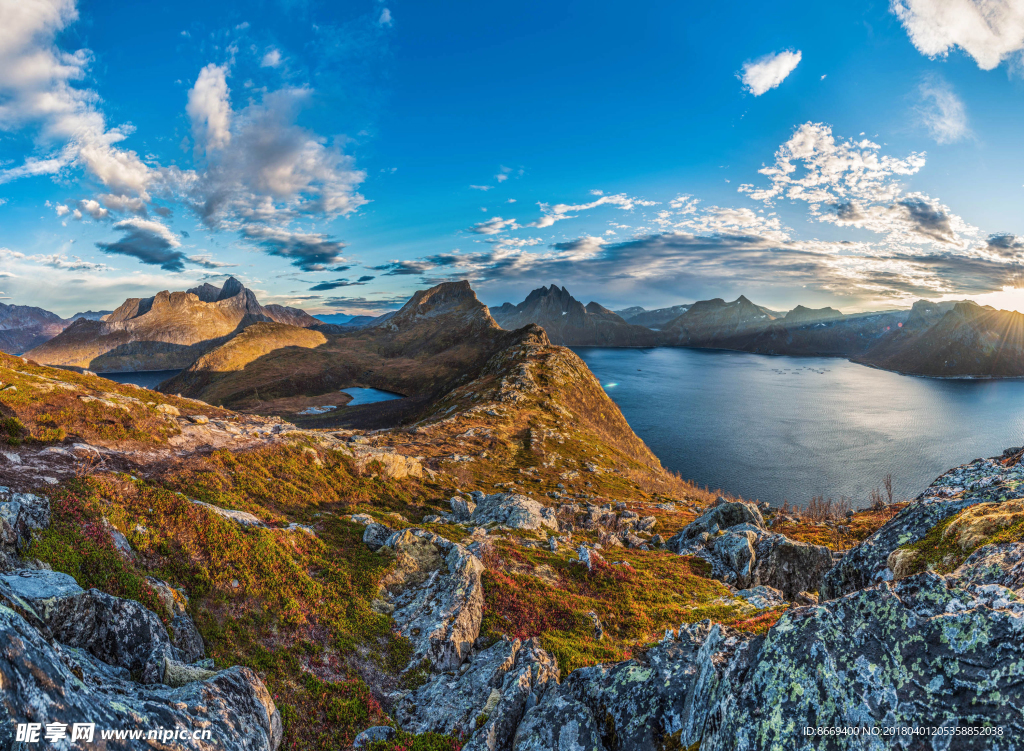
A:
(46, 405)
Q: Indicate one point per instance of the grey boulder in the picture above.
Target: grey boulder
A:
(435, 596)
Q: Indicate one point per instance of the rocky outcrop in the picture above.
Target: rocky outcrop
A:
(513, 510)
(435, 596)
(993, 480)
(925, 652)
(731, 536)
(48, 679)
(21, 514)
(928, 652)
(118, 632)
(487, 701)
(658, 700)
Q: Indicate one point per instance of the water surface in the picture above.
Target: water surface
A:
(150, 379)
(777, 428)
(369, 396)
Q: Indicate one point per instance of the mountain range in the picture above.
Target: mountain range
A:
(168, 331)
(947, 339)
(177, 330)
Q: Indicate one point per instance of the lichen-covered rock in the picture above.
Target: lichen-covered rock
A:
(485, 703)
(560, 723)
(736, 549)
(790, 565)
(722, 515)
(48, 683)
(375, 535)
(514, 510)
(461, 508)
(745, 554)
(925, 652)
(21, 514)
(435, 596)
(186, 638)
(1001, 564)
(658, 700)
(995, 480)
(389, 463)
(374, 734)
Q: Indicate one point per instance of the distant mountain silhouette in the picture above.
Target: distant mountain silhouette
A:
(568, 322)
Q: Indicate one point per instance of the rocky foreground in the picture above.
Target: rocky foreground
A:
(930, 660)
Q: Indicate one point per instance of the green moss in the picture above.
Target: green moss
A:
(423, 742)
(937, 552)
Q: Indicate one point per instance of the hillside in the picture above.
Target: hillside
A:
(166, 332)
(568, 322)
(968, 340)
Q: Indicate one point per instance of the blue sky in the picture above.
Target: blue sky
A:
(337, 156)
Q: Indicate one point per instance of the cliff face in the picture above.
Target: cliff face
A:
(568, 322)
(165, 332)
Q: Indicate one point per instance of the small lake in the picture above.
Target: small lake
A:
(150, 379)
(369, 396)
(790, 428)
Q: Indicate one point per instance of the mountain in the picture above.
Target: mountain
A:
(23, 327)
(165, 332)
(91, 315)
(568, 322)
(652, 319)
(800, 315)
(717, 323)
(967, 340)
(344, 319)
(439, 336)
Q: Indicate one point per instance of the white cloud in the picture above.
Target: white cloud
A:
(767, 72)
(987, 30)
(385, 18)
(851, 184)
(942, 112)
(493, 226)
(38, 91)
(62, 262)
(272, 59)
(481, 187)
(209, 109)
(207, 262)
(560, 211)
(501, 177)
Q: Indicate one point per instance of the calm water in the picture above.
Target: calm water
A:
(148, 378)
(777, 428)
(369, 396)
